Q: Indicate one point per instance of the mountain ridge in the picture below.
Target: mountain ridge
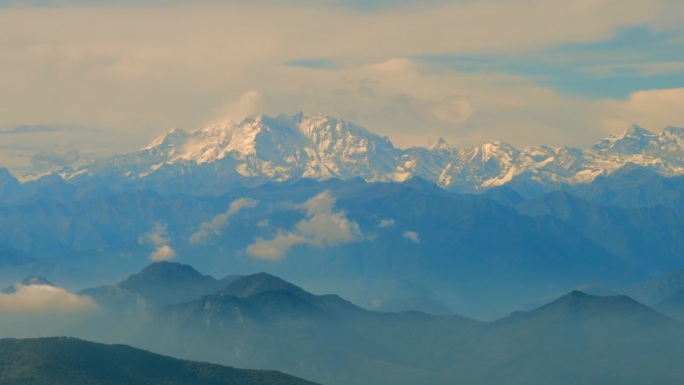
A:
(281, 148)
(63, 360)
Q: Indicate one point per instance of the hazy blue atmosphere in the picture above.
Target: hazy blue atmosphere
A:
(342, 192)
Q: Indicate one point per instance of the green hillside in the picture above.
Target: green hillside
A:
(68, 361)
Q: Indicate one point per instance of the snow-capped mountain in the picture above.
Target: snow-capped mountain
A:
(320, 147)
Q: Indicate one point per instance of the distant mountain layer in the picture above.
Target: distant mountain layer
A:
(262, 321)
(282, 148)
(68, 361)
(464, 247)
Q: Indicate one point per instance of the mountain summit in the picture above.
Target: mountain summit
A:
(315, 146)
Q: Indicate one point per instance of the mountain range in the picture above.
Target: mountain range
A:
(223, 155)
(262, 321)
(412, 245)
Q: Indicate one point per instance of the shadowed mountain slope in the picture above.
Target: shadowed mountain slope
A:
(67, 361)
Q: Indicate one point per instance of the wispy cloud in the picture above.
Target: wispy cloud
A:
(52, 159)
(386, 223)
(634, 69)
(412, 236)
(653, 109)
(322, 227)
(159, 238)
(31, 129)
(38, 298)
(215, 225)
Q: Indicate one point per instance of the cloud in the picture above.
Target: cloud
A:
(31, 129)
(38, 298)
(452, 110)
(163, 253)
(412, 236)
(653, 109)
(275, 248)
(386, 223)
(50, 160)
(322, 227)
(247, 104)
(635, 69)
(180, 70)
(159, 237)
(322, 203)
(214, 226)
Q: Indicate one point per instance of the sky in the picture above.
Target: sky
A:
(87, 79)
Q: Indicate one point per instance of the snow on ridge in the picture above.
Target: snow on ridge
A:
(320, 147)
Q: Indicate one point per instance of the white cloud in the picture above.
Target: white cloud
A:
(214, 226)
(180, 69)
(386, 223)
(163, 253)
(247, 104)
(276, 247)
(323, 227)
(412, 236)
(452, 110)
(322, 203)
(653, 109)
(37, 298)
(328, 229)
(159, 238)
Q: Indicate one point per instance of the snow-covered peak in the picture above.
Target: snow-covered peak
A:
(671, 140)
(173, 138)
(633, 141)
(673, 132)
(494, 149)
(316, 146)
(635, 131)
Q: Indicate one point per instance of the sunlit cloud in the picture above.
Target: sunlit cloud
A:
(222, 60)
(39, 298)
(215, 225)
(653, 109)
(162, 253)
(322, 227)
(159, 238)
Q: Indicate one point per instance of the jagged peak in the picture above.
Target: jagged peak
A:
(491, 148)
(636, 131)
(631, 141)
(175, 136)
(441, 145)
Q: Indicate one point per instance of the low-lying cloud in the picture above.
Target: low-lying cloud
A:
(50, 159)
(38, 298)
(322, 227)
(215, 225)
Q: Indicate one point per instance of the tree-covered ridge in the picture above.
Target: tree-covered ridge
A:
(68, 361)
